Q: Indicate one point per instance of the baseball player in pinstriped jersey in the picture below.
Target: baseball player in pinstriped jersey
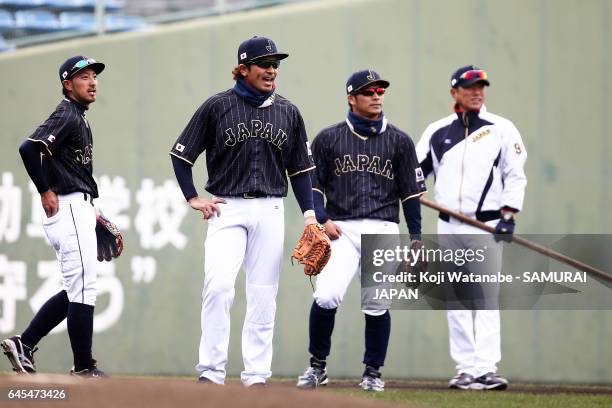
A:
(477, 158)
(365, 167)
(253, 139)
(65, 182)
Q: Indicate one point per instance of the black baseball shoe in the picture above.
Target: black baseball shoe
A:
(20, 355)
(489, 381)
(461, 381)
(92, 372)
(370, 380)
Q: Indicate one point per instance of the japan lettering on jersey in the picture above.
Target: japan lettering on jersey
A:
(248, 149)
(365, 177)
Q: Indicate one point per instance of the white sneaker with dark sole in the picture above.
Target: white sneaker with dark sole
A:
(371, 381)
(461, 381)
(313, 377)
(489, 381)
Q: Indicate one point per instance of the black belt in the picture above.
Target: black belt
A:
(482, 216)
(253, 195)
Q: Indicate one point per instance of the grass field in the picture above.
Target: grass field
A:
(477, 399)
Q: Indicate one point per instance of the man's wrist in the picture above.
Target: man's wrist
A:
(507, 214)
(310, 220)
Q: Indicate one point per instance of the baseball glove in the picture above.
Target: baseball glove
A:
(110, 241)
(313, 249)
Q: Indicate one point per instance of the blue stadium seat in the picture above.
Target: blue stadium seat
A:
(37, 20)
(85, 5)
(117, 22)
(7, 22)
(23, 4)
(113, 5)
(72, 4)
(72, 20)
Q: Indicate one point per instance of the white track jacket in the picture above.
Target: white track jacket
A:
(479, 167)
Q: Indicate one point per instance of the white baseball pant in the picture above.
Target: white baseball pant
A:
(249, 232)
(345, 261)
(72, 233)
(474, 335)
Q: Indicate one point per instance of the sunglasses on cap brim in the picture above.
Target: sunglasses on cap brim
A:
(81, 64)
(371, 91)
(474, 74)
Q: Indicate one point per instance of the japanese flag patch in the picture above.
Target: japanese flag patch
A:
(51, 138)
(179, 147)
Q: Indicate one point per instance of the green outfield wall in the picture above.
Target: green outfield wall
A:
(550, 71)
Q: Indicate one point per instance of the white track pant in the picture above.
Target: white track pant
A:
(475, 339)
(72, 233)
(249, 232)
(345, 259)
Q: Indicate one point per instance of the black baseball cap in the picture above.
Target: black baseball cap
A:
(361, 79)
(257, 48)
(467, 76)
(77, 63)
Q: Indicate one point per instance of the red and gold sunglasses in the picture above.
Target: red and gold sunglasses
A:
(371, 91)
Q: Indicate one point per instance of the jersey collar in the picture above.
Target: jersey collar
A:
(82, 108)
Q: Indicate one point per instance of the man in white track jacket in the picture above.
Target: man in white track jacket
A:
(477, 159)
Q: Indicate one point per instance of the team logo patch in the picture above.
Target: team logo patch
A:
(370, 76)
(419, 174)
(179, 147)
(51, 138)
(308, 148)
(243, 56)
(269, 46)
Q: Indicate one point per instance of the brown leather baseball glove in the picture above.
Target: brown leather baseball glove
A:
(110, 240)
(313, 249)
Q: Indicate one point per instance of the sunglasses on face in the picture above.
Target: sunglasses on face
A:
(265, 64)
(371, 91)
(474, 74)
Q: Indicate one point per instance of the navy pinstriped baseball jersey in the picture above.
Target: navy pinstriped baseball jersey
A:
(248, 149)
(365, 177)
(68, 153)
